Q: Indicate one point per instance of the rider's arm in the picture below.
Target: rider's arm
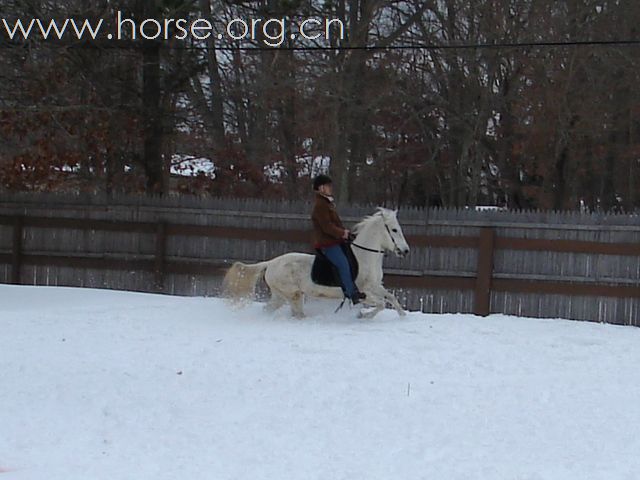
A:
(323, 220)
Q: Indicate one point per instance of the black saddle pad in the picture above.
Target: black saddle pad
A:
(325, 273)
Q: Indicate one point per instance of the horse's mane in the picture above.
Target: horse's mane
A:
(380, 212)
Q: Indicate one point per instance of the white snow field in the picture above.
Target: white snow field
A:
(99, 384)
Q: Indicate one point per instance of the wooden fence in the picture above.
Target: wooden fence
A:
(540, 264)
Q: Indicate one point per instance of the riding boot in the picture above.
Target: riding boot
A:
(357, 297)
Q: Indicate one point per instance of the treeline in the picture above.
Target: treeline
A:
(498, 120)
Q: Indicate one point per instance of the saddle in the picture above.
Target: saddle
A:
(324, 273)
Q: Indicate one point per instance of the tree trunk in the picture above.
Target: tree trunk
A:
(216, 112)
(152, 131)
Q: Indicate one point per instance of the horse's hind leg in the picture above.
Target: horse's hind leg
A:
(275, 302)
(297, 304)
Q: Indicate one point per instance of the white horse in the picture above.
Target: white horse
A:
(289, 276)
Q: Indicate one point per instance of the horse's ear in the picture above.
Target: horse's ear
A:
(395, 211)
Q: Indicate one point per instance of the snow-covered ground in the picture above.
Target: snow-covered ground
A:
(111, 385)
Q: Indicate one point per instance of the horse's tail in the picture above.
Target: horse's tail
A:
(241, 279)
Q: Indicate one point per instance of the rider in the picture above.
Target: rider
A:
(329, 234)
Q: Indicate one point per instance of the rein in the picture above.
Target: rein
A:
(367, 249)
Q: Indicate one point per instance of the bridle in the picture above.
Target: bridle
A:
(379, 251)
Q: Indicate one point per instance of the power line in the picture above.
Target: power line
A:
(130, 45)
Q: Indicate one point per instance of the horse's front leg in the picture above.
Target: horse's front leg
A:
(389, 297)
(372, 301)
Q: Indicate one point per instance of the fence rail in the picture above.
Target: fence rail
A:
(483, 283)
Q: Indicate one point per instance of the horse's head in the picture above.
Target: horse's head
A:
(393, 238)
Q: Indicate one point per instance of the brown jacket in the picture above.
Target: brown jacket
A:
(327, 227)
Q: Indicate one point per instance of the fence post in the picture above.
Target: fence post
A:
(161, 247)
(482, 299)
(16, 252)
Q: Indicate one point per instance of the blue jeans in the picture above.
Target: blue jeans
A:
(337, 257)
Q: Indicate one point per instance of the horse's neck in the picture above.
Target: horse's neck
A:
(368, 237)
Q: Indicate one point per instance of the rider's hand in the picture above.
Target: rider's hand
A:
(346, 234)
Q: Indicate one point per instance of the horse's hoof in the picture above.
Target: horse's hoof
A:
(402, 313)
(367, 314)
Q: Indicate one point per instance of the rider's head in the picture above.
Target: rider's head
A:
(323, 184)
